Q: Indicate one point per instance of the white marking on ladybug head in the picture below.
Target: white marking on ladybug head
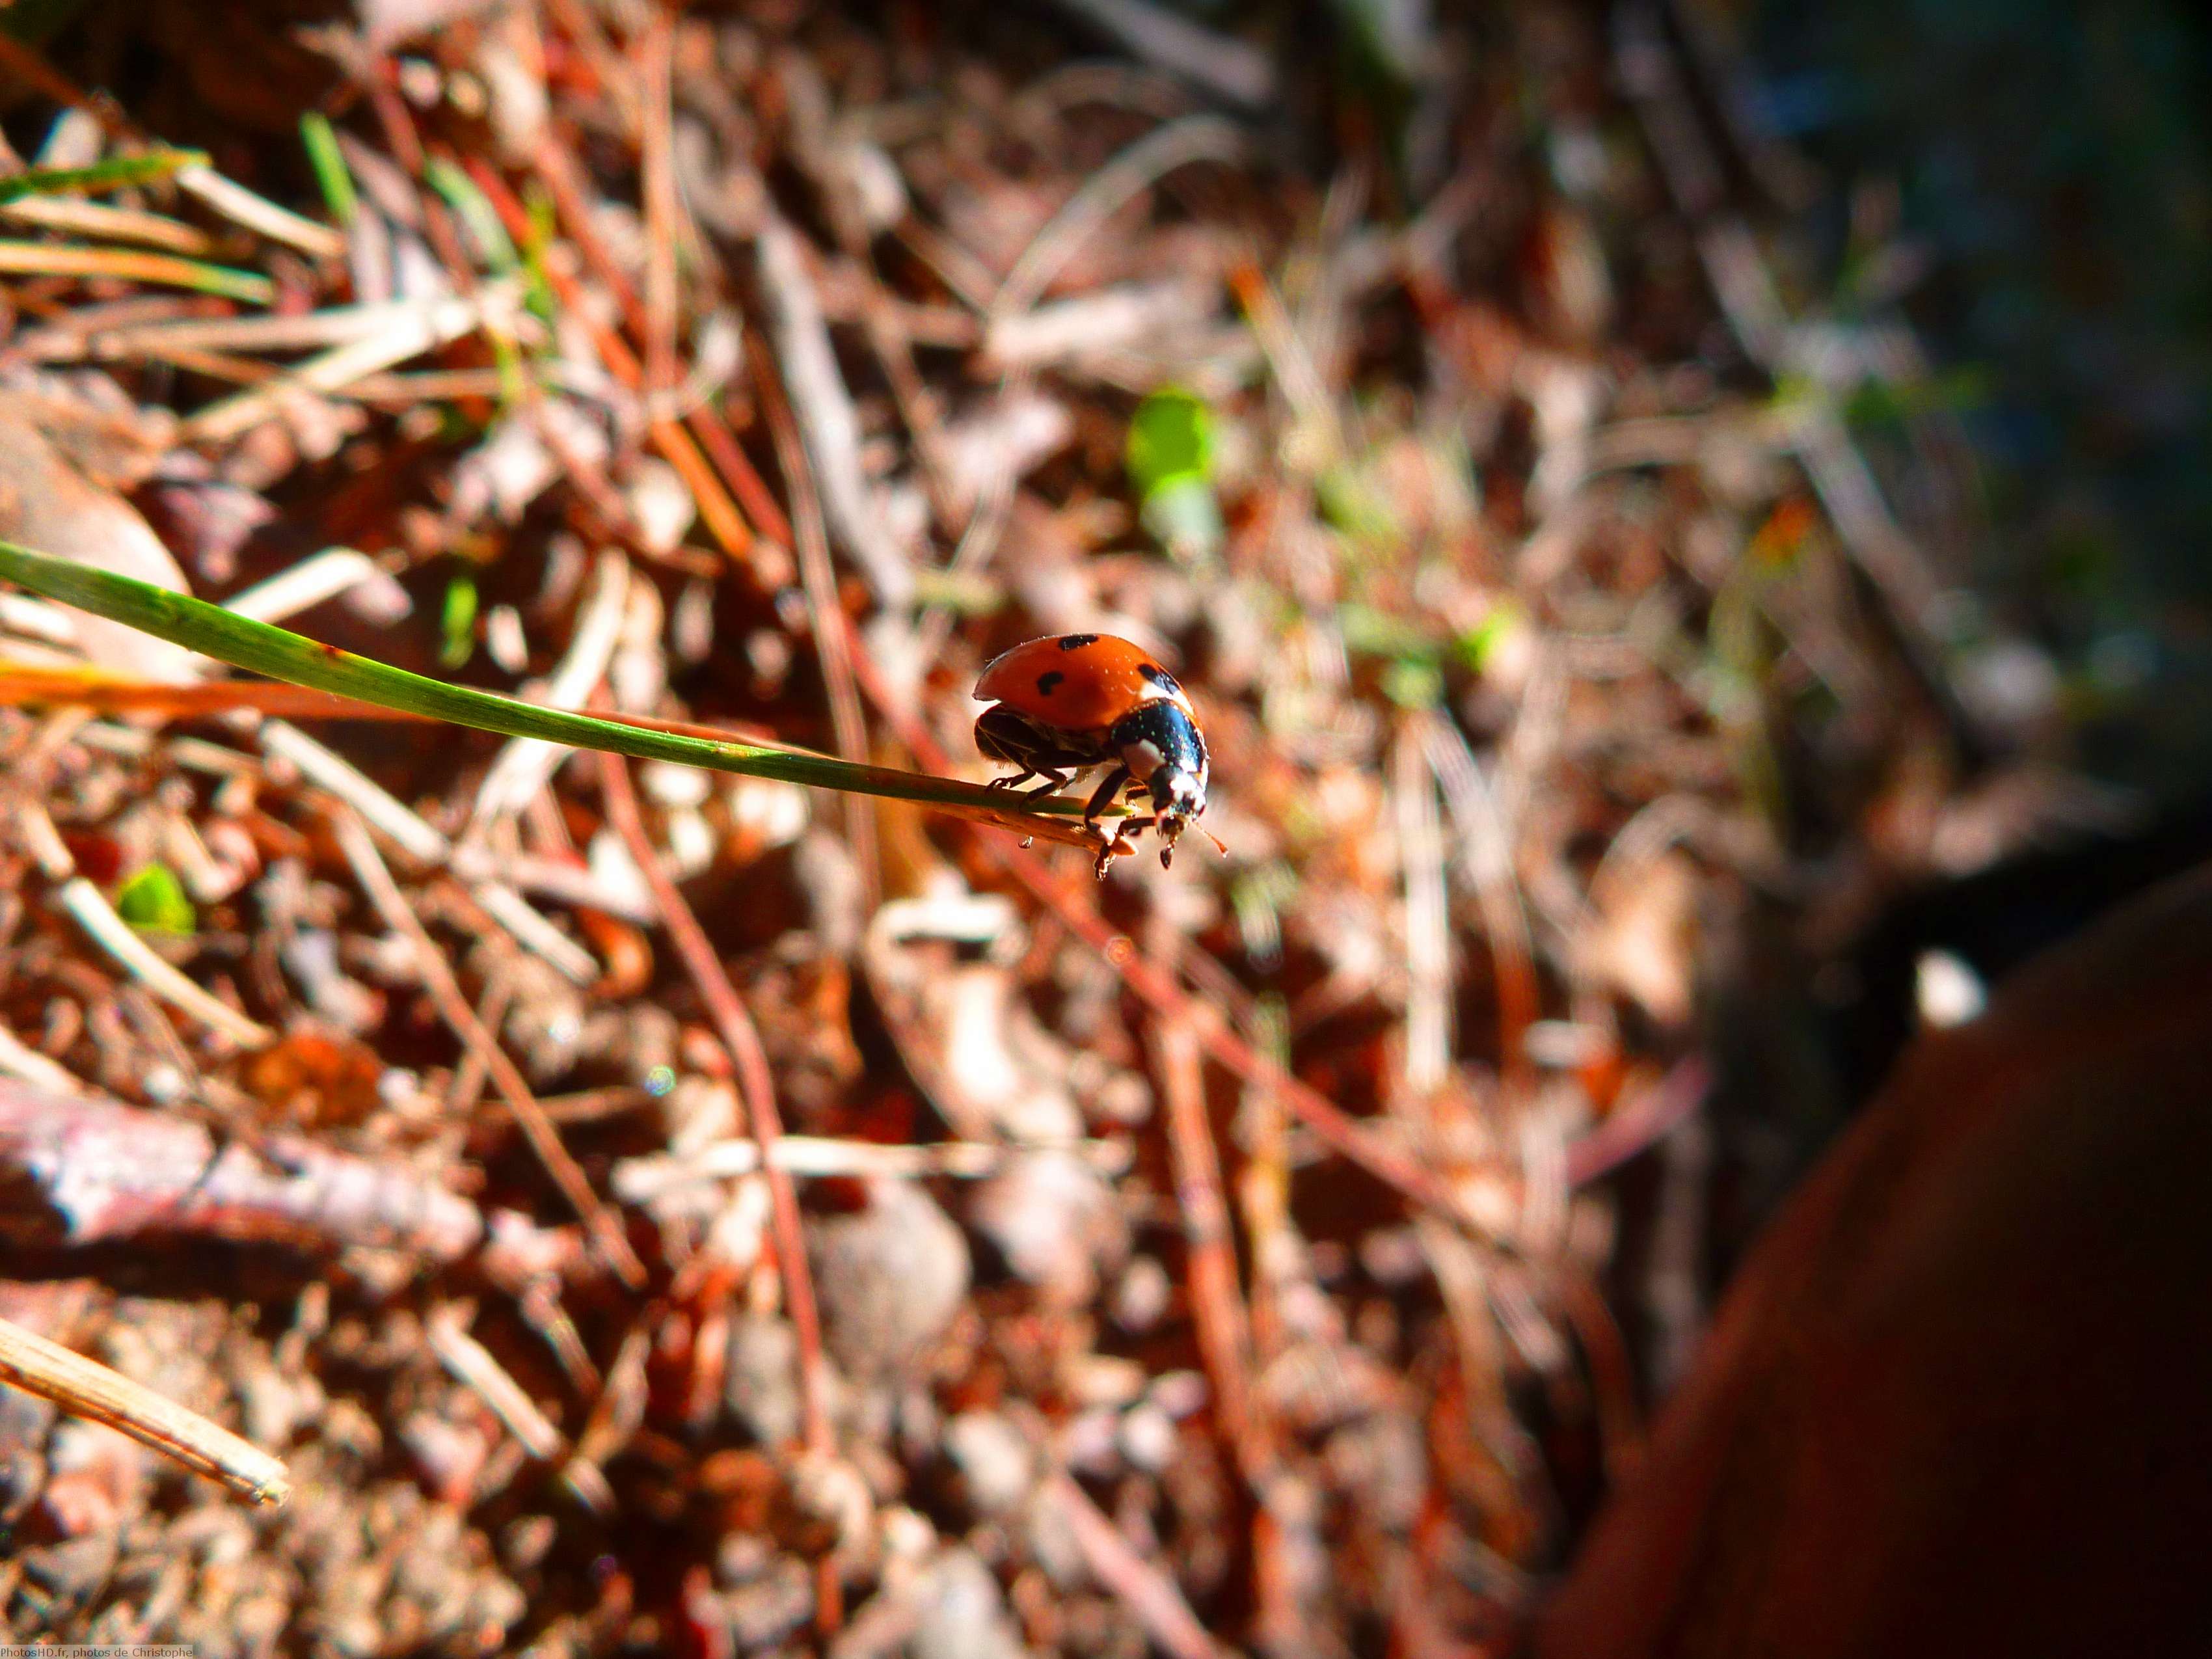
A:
(1178, 798)
(1143, 758)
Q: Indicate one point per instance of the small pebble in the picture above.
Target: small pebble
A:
(1141, 1298)
(995, 1456)
(1099, 1379)
(1056, 1221)
(1147, 1437)
(891, 1279)
(761, 1386)
(525, 1541)
(1089, 1442)
(1179, 1393)
(964, 1615)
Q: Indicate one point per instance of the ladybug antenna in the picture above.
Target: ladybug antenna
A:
(1219, 845)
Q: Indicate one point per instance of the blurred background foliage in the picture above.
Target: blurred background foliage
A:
(2049, 164)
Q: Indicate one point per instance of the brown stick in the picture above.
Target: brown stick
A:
(1147, 1592)
(454, 1007)
(84, 1388)
(716, 510)
(1637, 1123)
(758, 1084)
(831, 642)
(107, 1170)
(741, 1040)
(1225, 1336)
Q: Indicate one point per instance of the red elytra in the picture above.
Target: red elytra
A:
(1078, 681)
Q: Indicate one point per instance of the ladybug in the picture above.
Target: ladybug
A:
(1064, 704)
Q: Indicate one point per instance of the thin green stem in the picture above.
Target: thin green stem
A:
(113, 174)
(216, 632)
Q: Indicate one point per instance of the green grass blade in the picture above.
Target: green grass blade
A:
(215, 632)
(321, 141)
(113, 174)
(132, 264)
(477, 216)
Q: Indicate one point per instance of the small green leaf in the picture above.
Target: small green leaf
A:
(1170, 461)
(1170, 438)
(1183, 517)
(542, 231)
(545, 215)
(1478, 645)
(459, 620)
(1413, 682)
(153, 899)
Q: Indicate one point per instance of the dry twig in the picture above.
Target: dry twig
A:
(100, 1169)
(85, 1388)
(438, 979)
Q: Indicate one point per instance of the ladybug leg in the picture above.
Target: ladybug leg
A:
(1103, 797)
(1140, 788)
(1136, 787)
(1054, 782)
(1009, 781)
(1106, 854)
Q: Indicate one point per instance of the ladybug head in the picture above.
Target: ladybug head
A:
(1161, 746)
(1178, 798)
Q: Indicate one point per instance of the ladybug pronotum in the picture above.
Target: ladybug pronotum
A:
(1064, 704)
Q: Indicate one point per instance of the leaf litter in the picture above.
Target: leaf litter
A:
(693, 1210)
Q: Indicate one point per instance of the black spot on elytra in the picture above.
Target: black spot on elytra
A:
(1077, 641)
(1156, 675)
(1049, 683)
